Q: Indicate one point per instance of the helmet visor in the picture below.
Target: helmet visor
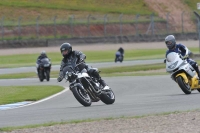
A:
(170, 44)
(65, 52)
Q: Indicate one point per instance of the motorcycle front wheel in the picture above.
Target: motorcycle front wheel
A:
(82, 97)
(47, 75)
(185, 87)
(40, 75)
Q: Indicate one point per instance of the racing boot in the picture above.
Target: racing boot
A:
(101, 81)
(197, 70)
(105, 86)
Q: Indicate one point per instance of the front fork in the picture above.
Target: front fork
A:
(183, 75)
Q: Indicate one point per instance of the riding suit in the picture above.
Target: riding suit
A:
(75, 57)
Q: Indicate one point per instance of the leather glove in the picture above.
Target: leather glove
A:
(185, 56)
(164, 60)
(59, 79)
(81, 60)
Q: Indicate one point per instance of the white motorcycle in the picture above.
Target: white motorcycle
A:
(182, 73)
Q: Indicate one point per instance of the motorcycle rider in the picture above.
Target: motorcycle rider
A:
(40, 57)
(172, 46)
(120, 52)
(71, 57)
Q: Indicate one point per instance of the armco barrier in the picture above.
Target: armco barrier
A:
(23, 43)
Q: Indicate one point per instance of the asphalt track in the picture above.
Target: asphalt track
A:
(136, 95)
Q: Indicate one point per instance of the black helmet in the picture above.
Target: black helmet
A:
(170, 42)
(43, 53)
(65, 46)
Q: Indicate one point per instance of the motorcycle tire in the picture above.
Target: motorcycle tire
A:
(198, 90)
(82, 98)
(185, 87)
(115, 60)
(47, 75)
(107, 97)
(41, 77)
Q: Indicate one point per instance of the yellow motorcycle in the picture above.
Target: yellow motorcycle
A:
(182, 73)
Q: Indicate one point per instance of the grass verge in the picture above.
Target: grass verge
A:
(19, 60)
(92, 120)
(135, 70)
(105, 72)
(34, 8)
(92, 56)
(13, 94)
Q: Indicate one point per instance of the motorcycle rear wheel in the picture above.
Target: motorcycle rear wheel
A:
(185, 87)
(108, 97)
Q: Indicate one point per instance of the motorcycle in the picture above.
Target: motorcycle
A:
(44, 69)
(118, 57)
(182, 73)
(87, 89)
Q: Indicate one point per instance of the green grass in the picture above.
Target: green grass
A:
(191, 3)
(135, 70)
(105, 72)
(111, 6)
(12, 94)
(23, 75)
(132, 68)
(91, 56)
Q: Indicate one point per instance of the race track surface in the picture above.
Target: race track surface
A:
(136, 95)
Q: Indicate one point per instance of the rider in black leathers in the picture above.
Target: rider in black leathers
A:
(74, 57)
(172, 46)
(40, 57)
(121, 50)
(119, 55)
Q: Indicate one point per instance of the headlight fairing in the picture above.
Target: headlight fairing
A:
(172, 66)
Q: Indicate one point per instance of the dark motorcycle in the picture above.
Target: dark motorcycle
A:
(87, 89)
(44, 69)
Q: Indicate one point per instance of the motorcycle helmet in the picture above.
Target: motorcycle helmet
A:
(43, 53)
(170, 42)
(65, 49)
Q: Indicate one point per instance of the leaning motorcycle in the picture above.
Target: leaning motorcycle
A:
(182, 73)
(87, 89)
(44, 69)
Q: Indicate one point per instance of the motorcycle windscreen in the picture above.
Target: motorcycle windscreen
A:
(67, 69)
(173, 61)
(45, 61)
(171, 57)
